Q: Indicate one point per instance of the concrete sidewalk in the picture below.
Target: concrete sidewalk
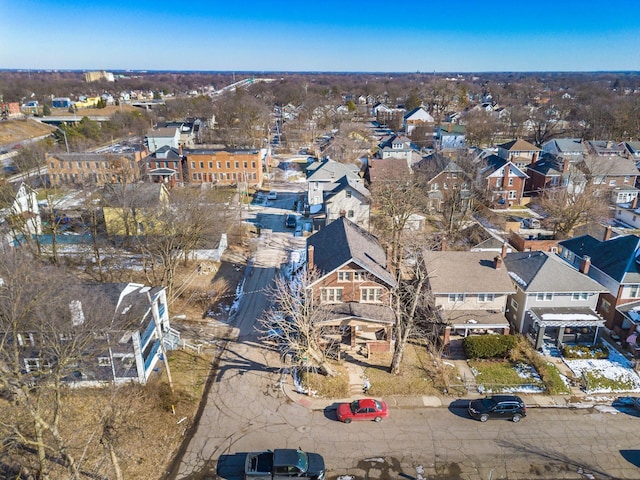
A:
(577, 398)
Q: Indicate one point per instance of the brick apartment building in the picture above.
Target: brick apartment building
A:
(91, 168)
(223, 166)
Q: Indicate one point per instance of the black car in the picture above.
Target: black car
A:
(291, 221)
(498, 406)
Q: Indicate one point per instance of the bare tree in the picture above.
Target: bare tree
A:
(296, 321)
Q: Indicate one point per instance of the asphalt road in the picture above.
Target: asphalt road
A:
(247, 411)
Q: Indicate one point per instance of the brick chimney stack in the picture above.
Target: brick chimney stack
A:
(443, 244)
(505, 247)
(390, 258)
(607, 233)
(497, 261)
(310, 264)
(634, 204)
(585, 264)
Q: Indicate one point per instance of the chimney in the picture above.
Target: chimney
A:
(310, 264)
(505, 247)
(585, 263)
(180, 150)
(497, 262)
(634, 204)
(607, 233)
(443, 244)
(389, 257)
(343, 213)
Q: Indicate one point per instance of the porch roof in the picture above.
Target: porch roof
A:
(566, 317)
(475, 319)
(359, 313)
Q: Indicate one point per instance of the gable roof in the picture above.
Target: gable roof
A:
(616, 257)
(327, 170)
(544, 272)
(610, 165)
(136, 195)
(346, 182)
(495, 164)
(570, 145)
(343, 241)
(468, 272)
(519, 145)
(548, 166)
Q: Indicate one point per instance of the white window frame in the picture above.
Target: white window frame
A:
(104, 361)
(371, 295)
(344, 276)
(486, 297)
(456, 297)
(579, 296)
(544, 296)
(634, 291)
(359, 276)
(331, 295)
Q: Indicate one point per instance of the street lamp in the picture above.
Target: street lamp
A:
(65, 138)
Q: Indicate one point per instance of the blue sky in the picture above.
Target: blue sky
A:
(372, 36)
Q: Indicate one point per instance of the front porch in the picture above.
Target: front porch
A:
(564, 325)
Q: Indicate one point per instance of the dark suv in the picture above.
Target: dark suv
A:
(498, 406)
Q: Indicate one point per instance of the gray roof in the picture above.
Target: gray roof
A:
(615, 257)
(348, 182)
(92, 157)
(367, 312)
(343, 241)
(138, 195)
(468, 272)
(327, 170)
(611, 165)
(570, 145)
(544, 272)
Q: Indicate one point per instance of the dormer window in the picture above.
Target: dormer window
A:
(348, 193)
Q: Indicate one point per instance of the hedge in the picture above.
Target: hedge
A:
(488, 346)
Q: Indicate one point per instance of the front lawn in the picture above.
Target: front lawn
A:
(493, 376)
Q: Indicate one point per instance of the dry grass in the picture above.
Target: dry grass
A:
(146, 421)
(419, 374)
(328, 387)
(17, 130)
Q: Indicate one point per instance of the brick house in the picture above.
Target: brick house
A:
(519, 152)
(503, 182)
(223, 166)
(612, 262)
(91, 168)
(165, 165)
(354, 286)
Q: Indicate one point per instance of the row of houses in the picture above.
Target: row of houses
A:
(572, 296)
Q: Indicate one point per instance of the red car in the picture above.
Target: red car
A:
(364, 409)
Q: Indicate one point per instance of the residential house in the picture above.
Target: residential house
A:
(451, 137)
(613, 263)
(165, 165)
(391, 116)
(76, 169)
(416, 117)
(354, 286)
(224, 166)
(547, 173)
(519, 152)
(629, 214)
(632, 151)
(553, 302)
(125, 347)
(613, 174)
(188, 131)
(447, 182)
(132, 209)
(469, 291)
(322, 175)
(348, 198)
(572, 149)
(398, 146)
(380, 170)
(159, 137)
(605, 148)
(503, 181)
(21, 216)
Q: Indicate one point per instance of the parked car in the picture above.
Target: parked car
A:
(290, 221)
(498, 406)
(272, 195)
(364, 409)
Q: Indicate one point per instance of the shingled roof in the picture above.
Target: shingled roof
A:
(616, 257)
(544, 272)
(341, 242)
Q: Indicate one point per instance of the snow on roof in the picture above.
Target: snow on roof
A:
(568, 316)
(518, 280)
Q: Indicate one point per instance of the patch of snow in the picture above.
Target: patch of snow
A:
(568, 316)
(517, 279)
